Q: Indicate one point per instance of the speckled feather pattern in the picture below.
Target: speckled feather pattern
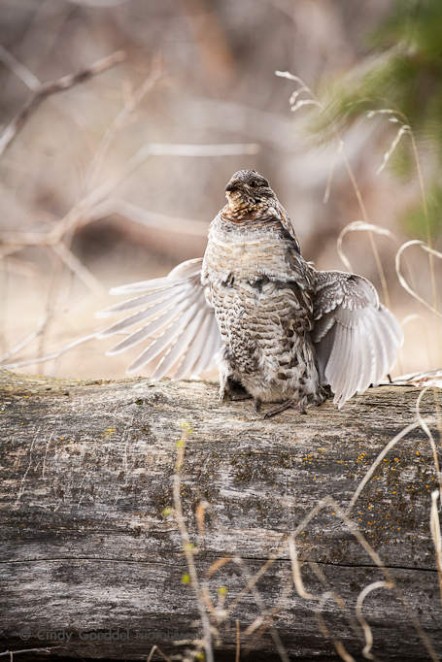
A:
(260, 288)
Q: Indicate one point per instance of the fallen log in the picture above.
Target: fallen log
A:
(245, 537)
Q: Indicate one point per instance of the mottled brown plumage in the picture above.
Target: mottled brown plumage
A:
(281, 329)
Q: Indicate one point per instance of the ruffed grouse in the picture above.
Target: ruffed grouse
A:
(280, 329)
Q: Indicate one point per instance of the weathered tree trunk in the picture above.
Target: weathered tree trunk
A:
(92, 563)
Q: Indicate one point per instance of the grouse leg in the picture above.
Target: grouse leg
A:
(234, 390)
(287, 404)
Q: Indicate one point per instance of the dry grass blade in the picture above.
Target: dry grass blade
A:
(404, 129)
(290, 76)
(217, 565)
(397, 117)
(331, 173)
(265, 620)
(363, 622)
(342, 652)
(436, 535)
(329, 503)
(403, 281)
(322, 598)
(340, 602)
(296, 572)
(238, 642)
(155, 650)
(426, 641)
(187, 544)
(391, 444)
(313, 101)
(54, 87)
(302, 103)
(325, 630)
(358, 226)
(423, 424)
(426, 429)
(200, 516)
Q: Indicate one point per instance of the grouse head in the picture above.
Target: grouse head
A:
(248, 189)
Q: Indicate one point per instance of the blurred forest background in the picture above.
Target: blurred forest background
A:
(117, 178)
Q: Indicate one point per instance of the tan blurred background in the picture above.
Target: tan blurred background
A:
(132, 163)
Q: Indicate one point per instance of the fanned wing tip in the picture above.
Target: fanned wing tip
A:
(141, 286)
(173, 320)
(369, 351)
(357, 338)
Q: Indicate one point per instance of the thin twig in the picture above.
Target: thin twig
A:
(121, 119)
(76, 267)
(54, 87)
(52, 356)
(23, 343)
(149, 219)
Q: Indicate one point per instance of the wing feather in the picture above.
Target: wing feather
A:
(357, 338)
(169, 338)
(194, 349)
(173, 317)
(159, 295)
(162, 323)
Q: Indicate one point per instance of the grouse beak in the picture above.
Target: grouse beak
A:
(232, 187)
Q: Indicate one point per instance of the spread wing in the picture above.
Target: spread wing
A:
(172, 322)
(357, 338)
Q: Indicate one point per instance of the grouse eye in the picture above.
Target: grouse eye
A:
(258, 182)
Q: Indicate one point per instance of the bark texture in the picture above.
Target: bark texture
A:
(92, 563)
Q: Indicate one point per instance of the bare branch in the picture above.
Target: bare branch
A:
(53, 87)
(75, 265)
(23, 73)
(122, 118)
(150, 219)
